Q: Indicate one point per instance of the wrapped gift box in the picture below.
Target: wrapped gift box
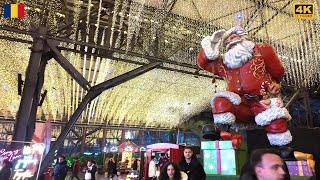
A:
(219, 157)
(298, 168)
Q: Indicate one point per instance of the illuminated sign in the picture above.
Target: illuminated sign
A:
(114, 149)
(25, 160)
(10, 155)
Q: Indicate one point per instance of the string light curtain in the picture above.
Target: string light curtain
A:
(159, 97)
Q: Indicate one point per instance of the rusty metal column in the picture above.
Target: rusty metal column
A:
(83, 140)
(29, 87)
(36, 97)
(103, 143)
(122, 135)
(103, 146)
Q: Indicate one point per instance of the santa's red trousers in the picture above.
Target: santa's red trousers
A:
(245, 113)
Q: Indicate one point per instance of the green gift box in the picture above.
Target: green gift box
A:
(220, 158)
(216, 145)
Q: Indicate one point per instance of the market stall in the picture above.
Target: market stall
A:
(163, 153)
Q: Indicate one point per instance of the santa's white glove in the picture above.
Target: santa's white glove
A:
(211, 44)
(217, 35)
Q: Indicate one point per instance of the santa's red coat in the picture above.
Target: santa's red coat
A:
(248, 79)
(252, 78)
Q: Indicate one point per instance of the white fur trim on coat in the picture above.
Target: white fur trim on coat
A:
(273, 113)
(210, 49)
(224, 118)
(275, 102)
(231, 96)
(280, 139)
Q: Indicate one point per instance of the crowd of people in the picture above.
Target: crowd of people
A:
(263, 164)
(60, 169)
(189, 168)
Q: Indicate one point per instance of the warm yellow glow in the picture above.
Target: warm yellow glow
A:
(159, 97)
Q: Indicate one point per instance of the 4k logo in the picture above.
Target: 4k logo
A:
(304, 11)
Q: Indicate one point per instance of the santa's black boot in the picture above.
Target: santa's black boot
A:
(210, 132)
(286, 153)
(224, 127)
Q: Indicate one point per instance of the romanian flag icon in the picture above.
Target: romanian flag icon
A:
(13, 11)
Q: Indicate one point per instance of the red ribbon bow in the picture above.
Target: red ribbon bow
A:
(235, 138)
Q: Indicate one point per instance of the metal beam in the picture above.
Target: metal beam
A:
(16, 39)
(171, 5)
(252, 17)
(293, 98)
(278, 10)
(83, 140)
(161, 16)
(104, 137)
(256, 29)
(93, 131)
(24, 111)
(112, 50)
(231, 13)
(76, 133)
(66, 65)
(99, 88)
(105, 55)
(36, 97)
(197, 10)
(93, 93)
(4, 120)
(69, 125)
(83, 16)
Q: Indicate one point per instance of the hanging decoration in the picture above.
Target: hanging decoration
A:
(152, 28)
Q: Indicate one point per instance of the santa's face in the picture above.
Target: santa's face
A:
(232, 40)
(239, 51)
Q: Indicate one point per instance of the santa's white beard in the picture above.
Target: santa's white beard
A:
(239, 54)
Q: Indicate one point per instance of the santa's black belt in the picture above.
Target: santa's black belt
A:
(252, 98)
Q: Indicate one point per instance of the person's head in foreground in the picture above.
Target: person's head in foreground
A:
(170, 171)
(267, 165)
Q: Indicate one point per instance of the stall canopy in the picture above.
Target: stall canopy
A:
(163, 146)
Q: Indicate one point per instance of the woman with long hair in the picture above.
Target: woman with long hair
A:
(170, 171)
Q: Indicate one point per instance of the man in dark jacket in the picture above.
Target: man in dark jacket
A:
(60, 169)
(5, 172)
(112, 168)
(191, 166)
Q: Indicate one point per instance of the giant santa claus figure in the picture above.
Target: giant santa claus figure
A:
(253, 73)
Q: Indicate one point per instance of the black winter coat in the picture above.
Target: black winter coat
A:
(194, 169)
